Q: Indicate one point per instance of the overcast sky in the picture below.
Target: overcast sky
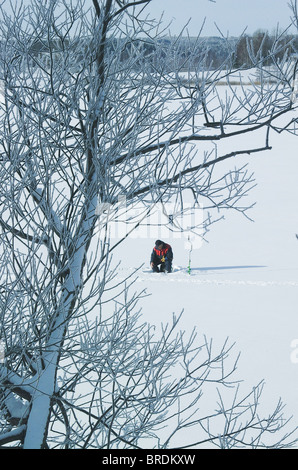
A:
(231, 16)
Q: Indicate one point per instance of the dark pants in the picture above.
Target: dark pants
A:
(163, 267)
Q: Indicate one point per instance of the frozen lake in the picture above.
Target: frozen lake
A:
(244, 281)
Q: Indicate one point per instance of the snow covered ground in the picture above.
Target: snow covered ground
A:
(244, 281)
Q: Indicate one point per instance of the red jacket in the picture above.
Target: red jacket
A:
(157, 255)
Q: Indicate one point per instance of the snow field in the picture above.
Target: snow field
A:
(244, 281)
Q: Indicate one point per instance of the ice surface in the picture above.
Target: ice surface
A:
(244, 281)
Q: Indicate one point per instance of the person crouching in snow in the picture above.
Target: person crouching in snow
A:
(161, 257)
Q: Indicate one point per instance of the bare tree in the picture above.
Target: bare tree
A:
(97, 106)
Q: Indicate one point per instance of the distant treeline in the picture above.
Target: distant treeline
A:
(212, 52)
(182, 53)
(261, 46)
